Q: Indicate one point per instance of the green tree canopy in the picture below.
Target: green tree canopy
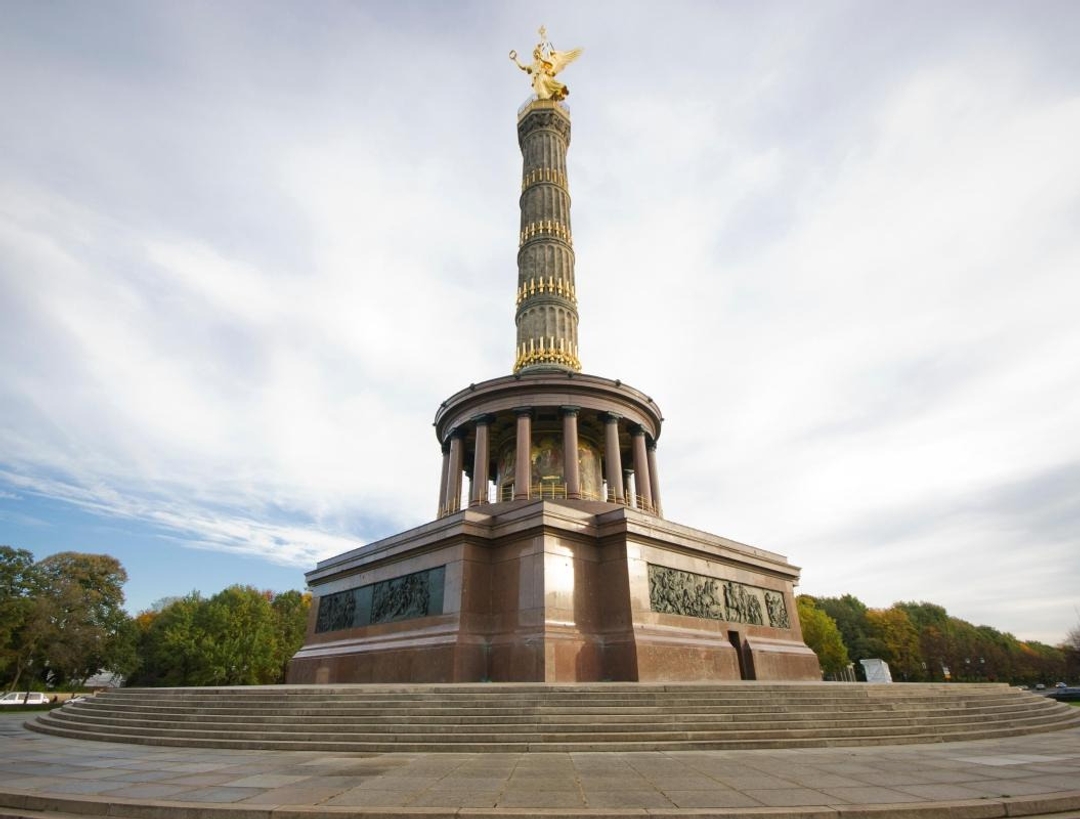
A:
(240, 636)
(291, 615)
(87, 625)
(822, 636)
(899, 641)
(240, 641)
(16, 600)
(63, 617)
(850, 615)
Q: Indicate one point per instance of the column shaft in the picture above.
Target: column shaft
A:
(613, 460)
(642, 484)
(442, 480)
(479, 492)
(571, 468)
(654, 481)
(453, 475)
(523, 456)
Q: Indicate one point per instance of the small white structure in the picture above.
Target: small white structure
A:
(877, 671)
(102, 680)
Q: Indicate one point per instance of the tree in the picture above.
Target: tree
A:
(936, 639)
(240, 636)
(291, 615)
(822, 636)
(1072, 640)
(899, 640)
(16, 602)
(85, 627)
(850, 615)
(169, 642)
(63, 617)
(239, 639)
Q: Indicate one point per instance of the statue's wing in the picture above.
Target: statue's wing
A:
(560, 59)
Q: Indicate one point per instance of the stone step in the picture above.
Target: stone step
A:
(564, 699)
(368, 719)
(437, 712)
(230, 703)
(483, 717)
(543, 744)
(420, 722)
(453, 733)
(106, 724)
(797, 696)
(554, 734)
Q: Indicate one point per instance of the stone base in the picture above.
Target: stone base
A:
(553, 591)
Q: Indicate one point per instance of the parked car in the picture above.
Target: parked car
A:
(1066, 694)
(24, 698)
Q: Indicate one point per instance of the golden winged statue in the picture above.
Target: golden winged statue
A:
(547, 62)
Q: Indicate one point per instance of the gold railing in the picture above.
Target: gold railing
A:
(634, 501)
(556, 490)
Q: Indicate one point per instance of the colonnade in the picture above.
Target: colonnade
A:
(642, 455)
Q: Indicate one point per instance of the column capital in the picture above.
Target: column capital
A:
(484, 419)
(569, 410)
(519, 411)
(638, 429)
(456, 432)
(611, 417)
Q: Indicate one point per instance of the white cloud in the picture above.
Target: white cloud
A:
(240, 271)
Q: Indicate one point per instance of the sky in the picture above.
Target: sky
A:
(247, 248)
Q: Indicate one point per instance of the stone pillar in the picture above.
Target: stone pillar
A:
(654, 480)
(443, 479)
(453, 473)
(642, 484)
(571, 468)
(612, 458)
(523, 454)
(479, 493)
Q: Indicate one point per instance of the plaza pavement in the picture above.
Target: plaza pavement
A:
(1022, 776)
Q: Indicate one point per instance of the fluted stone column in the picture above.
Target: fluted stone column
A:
(612, 458)
(453, 474)
(523, 454)
(571, 468)
(643, 485)
(654, 480)
(481, 458)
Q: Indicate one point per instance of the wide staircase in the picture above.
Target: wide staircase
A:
(577, 717)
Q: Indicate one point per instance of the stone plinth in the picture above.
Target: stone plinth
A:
(553, 591)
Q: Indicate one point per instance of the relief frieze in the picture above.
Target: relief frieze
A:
(672, 591)
(401, 598)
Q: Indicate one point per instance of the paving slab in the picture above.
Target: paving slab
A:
(1031, 775)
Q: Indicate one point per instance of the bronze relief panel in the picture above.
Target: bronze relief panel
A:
(672, 591)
